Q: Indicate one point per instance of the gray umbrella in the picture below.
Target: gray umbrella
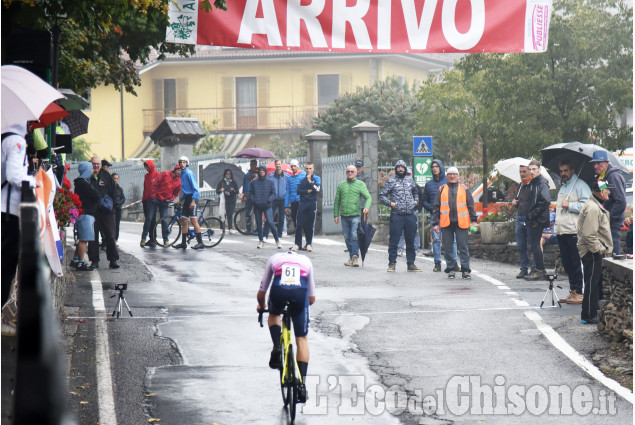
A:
(72, 101)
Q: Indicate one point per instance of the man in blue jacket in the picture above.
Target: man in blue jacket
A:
(262, 193)
(279, 179)
(292, 200)
(429, 195)
(189, 195)
(308, 190)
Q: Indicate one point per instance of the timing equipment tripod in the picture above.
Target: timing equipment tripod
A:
(552, 292)
(121, 300)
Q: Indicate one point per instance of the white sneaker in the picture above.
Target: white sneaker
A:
(309, 248)
(279, 245)
(295, 248)
(232, 232)
(261, 245)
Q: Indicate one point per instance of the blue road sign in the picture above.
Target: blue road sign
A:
(422, 145)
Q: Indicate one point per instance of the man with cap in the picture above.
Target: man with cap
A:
(452, 213)
(403, 201)
(616, 202)
(594, 242)
(359, 166)
(347, 206)
(168, 187)
(292, 199)
(105, 165)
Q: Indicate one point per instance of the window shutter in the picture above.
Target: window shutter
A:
(309, 90)
(263, 100)
(181, 95)
(346, 83)
(228, 103)
(158, 102)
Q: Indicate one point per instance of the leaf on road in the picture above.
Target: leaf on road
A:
(151, 395)
(83, 402)
(154, 420)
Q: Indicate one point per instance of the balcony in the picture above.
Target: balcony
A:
(244, 119)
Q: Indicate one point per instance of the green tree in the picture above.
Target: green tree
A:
(388, 104)
(516, 104)
(211, 142)
(101, 41)
(81, 150)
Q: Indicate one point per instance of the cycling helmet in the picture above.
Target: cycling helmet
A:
(184, 158)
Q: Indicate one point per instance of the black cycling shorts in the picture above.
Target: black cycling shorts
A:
(299, 309)
(188, 212)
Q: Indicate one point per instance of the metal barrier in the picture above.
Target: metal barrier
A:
(40, 383)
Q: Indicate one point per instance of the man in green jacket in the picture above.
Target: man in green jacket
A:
(347, 206)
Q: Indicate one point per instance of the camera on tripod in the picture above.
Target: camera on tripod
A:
(121, 286)
(551, 277)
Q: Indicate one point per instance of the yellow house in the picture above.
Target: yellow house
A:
(249, 95)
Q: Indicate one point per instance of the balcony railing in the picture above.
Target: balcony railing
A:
(239, 118)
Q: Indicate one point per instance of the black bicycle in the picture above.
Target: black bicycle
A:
(246, 224)
(212, 228)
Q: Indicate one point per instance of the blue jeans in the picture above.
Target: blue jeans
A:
(615, 235)
(449, 234)
(535, 234)
(162, 207)
(268, 217)
(278, 206)
(406, 224)
(349, 230)
(522, 240)
(417, 241)
(436, 245)
(571, 260)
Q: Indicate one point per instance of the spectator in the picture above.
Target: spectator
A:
(361, 175)
(120, 199)
(430, 191)
(85, 224)
(628, 223)
(401, 246)
(149, 209)
(292, 200)
(308, 190)
(228, 187)
(616, 203)
(104, 218)
(250, 176)
(453, 212)
(404, 197)
(279, 179)
(594, 242)
(347, 205)
(522, 202)
(537, 217)
(14, 172)
(105, 165)
(262, 193)
(572, 196)
(549, 236)
(167, 189)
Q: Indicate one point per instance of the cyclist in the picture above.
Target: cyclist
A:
(190, 194)
(292, 275)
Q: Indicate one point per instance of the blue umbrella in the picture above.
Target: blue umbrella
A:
(365, 233)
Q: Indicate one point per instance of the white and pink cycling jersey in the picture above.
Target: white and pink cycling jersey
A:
(288, 261)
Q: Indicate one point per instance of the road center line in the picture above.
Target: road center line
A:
(576, 357)
(105, 395)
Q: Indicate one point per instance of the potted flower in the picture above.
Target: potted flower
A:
(497, 225)
(67, 208)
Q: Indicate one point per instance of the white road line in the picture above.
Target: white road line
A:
(105, 395)
(576, 357)
(520, 303)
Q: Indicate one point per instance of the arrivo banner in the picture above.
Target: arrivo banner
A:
(376, 26)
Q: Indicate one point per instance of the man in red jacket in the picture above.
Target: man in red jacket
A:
(149, 210)
(168, 186)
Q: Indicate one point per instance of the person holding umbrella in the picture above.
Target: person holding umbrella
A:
(537, 217)
(594, 242)
(228, 187)
(616, 202)
(347, 205)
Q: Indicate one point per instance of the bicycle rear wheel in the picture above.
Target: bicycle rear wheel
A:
(245, 224)
(173, 231)
(212, 231)
(283, 388)
(292, 395)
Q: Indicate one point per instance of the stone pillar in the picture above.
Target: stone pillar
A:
(317, 148)
(172, 151)
(367, 139)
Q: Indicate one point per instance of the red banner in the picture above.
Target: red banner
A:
(379, 26)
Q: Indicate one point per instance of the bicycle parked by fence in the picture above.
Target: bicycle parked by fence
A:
(212, 228)
(290, 375)
(246, 224)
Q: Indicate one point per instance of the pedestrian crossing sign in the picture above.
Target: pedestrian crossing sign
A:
(422, 145)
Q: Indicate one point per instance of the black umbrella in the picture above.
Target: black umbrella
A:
(77, 123)
(579, 154)
(72, 101)
(213, 173)
(365, 233)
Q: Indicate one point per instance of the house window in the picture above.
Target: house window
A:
(246, 102)
(169, 96)
(328, 88)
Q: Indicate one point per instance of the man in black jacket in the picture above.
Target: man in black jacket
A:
(104, 218)
(262, 193)
(537, 217)
(616, 205)
(120, 199)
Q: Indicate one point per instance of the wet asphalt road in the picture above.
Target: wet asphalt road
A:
(194, 354)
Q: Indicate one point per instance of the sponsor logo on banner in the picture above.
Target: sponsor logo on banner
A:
(536, 37)
(383, 26)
